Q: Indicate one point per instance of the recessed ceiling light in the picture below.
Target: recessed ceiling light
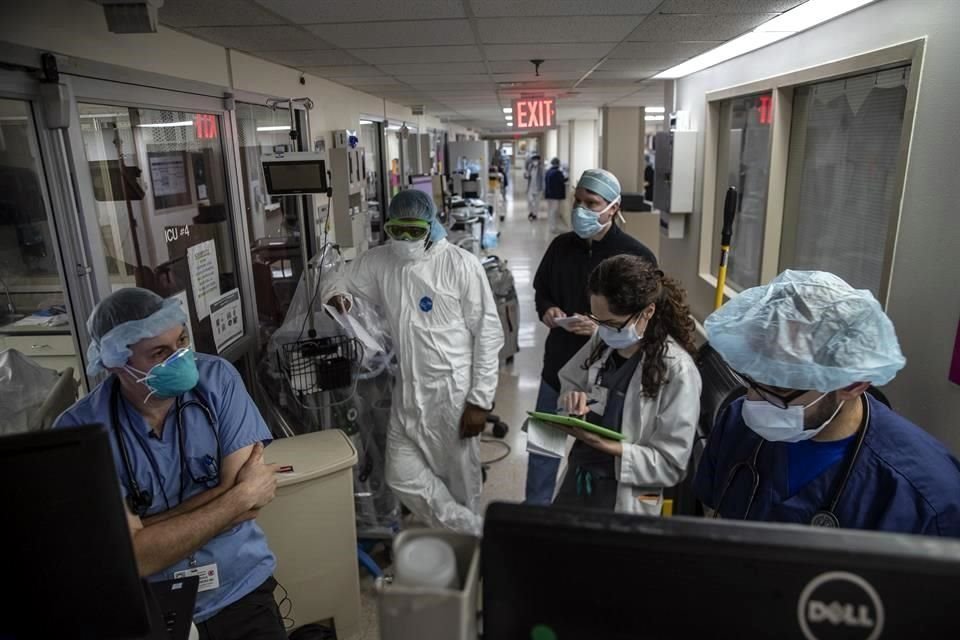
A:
(279, 127)
(653, 109)
(653, 118)
(161, 125)
(508, 109)
(801, 18)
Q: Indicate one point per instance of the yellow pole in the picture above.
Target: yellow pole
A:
(721, 275)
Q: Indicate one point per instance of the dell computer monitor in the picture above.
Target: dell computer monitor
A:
(551, 573)
(69, 570)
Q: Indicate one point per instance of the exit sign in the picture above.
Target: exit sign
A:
(534, 113)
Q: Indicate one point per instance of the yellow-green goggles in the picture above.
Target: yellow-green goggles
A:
(408, 229)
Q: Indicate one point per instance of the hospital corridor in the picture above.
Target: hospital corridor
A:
(479, 319)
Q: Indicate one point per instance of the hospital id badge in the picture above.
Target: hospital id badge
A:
(208, 574)
(598, 399)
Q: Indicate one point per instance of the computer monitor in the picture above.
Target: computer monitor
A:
(69, 567)
(552, 573)
(422, 183)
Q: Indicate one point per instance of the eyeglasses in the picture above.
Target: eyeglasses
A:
(616, 326)
(780, 401)
(407, 229)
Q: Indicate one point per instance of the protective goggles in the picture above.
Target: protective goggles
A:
(780, 401)
(409, 229)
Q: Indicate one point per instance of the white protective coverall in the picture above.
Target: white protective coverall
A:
(448, 337)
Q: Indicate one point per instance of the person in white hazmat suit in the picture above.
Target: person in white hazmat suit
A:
(448, 336)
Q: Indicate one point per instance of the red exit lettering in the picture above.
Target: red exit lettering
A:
(537, 113)
(206, 126)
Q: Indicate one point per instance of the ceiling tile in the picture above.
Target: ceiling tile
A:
(546, 51)
(345, 71)
(519, 66)
(364, 81)
(534, 8)
(587, 29)
(478, 79)
(397, 55)
(322, 11)
(667, 51)
(433, 68)
(674, 28)
(727, 6)
(399, 33)
(311, 58)
(544, 76)
(259, 38)
(190, 13)
(637, 74)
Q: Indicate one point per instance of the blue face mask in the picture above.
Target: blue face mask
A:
(173, 377)
(586, 223)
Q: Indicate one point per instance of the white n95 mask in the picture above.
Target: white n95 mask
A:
(406, 250)
(774, 424)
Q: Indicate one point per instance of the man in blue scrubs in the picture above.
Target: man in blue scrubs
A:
(188, 446)
(807, 444)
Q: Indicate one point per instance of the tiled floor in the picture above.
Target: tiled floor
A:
(522, 244)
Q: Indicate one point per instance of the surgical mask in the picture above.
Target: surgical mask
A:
(173, 377)
(782, 425)
(586, 223)
(623, 339)
(406, 250)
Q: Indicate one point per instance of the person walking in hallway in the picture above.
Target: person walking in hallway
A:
(533, 172)
(563, 303)
(555, 191)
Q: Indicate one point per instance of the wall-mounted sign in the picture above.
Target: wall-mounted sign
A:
(534, 113)
(206, 126)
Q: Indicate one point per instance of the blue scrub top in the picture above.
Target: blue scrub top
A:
(244, 561)
(904, 480)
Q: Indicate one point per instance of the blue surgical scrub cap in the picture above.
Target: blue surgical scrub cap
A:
(126, 317)
(807, 330)
(601, 182)
(417, 204)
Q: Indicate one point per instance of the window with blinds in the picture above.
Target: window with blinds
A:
(844, 177)
(743, 161)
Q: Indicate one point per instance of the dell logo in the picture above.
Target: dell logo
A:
(836, 614)
(838, 604)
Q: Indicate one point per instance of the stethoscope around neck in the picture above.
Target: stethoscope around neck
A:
(825, 516)
(139, 499)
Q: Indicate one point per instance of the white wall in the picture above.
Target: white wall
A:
(550, 146)
(584, 151)
(563, 143)
(622, 152)
(924, 300)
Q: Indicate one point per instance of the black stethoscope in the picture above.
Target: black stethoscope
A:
(823, 517)
(139, 499)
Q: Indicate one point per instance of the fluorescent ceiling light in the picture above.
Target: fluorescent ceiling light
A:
(653, 118)
(801, 18)
(654, 109)
(279, 127)
(508, 117)
(160, 125)
(509, 124)
(508, 109)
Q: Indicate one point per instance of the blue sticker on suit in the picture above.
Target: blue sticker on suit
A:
(426, 304)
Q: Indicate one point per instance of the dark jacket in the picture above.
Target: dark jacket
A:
(556, 184)
(561, 281)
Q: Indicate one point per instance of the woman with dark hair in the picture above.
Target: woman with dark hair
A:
(635, 376)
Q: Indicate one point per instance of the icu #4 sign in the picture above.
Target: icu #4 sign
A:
(838, 604)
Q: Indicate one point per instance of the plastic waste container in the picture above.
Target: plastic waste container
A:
(311, 527)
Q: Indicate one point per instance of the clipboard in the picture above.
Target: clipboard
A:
(570, 421)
